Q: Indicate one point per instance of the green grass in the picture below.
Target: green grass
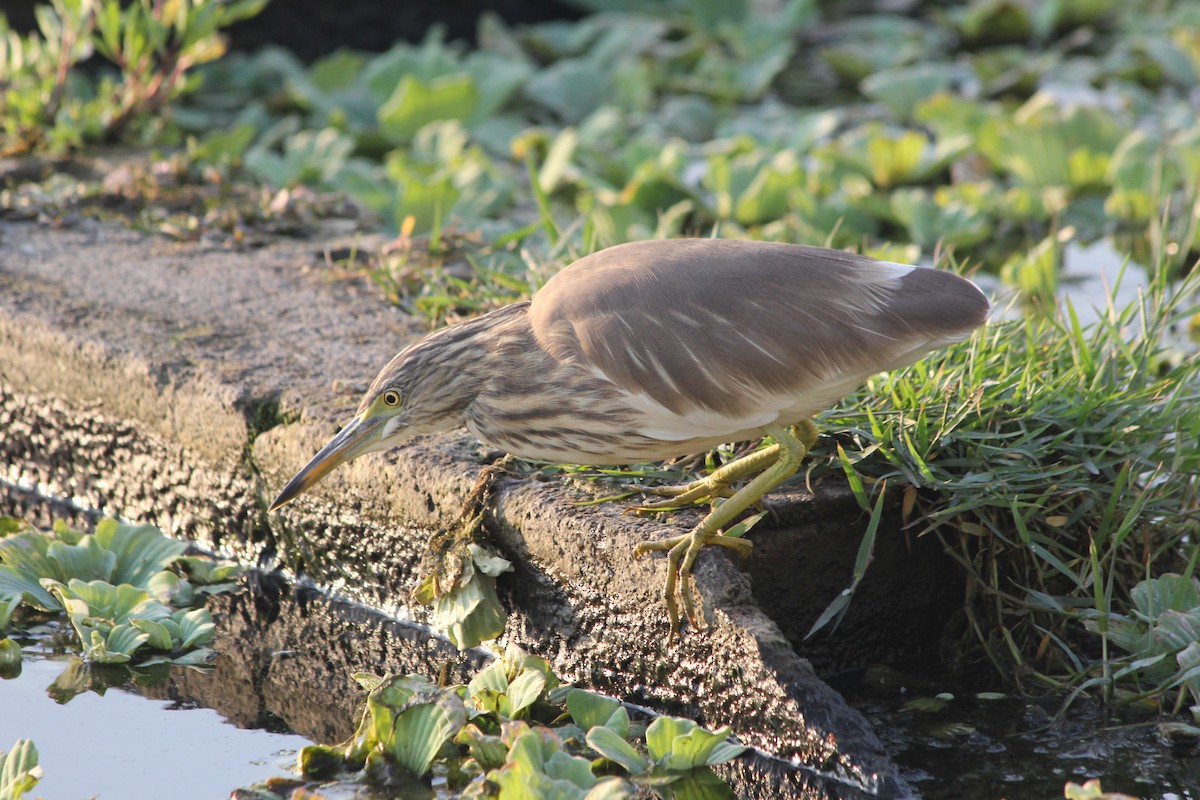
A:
(1057, 464)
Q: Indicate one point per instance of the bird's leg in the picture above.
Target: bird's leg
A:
(790, 449)
(717, 482)
(447, 553)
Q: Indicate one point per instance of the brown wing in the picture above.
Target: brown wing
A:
(716, 324)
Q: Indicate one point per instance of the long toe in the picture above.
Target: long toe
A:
(741, 547)
(684, 497)
(661, 544)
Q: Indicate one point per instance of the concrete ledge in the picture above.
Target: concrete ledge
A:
(149, 380)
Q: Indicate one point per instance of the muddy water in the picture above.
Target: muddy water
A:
(950, 742)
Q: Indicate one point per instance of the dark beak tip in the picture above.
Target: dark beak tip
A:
(338, 450)
(290, 492)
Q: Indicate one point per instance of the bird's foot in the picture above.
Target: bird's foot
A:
(681, 556)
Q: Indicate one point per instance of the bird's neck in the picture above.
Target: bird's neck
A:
(454, 365)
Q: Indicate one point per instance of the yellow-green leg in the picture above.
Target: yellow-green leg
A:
(775, 464)
(717, 483)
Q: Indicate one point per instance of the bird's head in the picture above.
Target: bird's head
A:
(379, 423)
(423, 389)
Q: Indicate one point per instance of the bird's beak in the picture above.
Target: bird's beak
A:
(359, 437)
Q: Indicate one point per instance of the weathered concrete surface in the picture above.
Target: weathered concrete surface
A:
(147, 379)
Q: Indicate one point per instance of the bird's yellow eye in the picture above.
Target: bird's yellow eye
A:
(391, 397)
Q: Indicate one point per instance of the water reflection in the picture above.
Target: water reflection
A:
(123, 744)
(951, 742)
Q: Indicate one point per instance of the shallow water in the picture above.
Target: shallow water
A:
(968, 745)
(128, 746)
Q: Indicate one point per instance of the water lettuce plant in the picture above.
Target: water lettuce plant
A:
(114, 553)
(19, 770)
(806, 125)
(1161, 635)
(515, 732)
(113, 622)
(469, 611)
(115, 587)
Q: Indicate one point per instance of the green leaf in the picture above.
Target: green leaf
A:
(19, 770)
(10, 658)
(1175, 630)
(558, 160)
(611, 788)
(24, 564)
(680, 744)
(491, 678)
(1036, 272)
(565, 767)
(618, 723)
(524, 691)
(471, 613)
(169, 589)
(415, 104)
(661, 735)
(206, 570)
(201, 656)
(195, 627)
(116, 603)
(571, 88)
(497, 78)
(308, 156)
(537, 767)
(7, 606)
(902, 89)
(160, 635)
(419, 733)
(701, 784)
(1169, 592)
(589, 709)
(116, 648)
(933, 219)
(142, 550)
(412, 719)
(609, 744)
(87, 560)
(489, 751)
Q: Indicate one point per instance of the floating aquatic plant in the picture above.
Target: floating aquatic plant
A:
(514, 732)
(896, 157)
(114, 586)
(19, 770)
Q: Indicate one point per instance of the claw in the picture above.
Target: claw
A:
(682, 552)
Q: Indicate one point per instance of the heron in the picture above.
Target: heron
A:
(652, 350)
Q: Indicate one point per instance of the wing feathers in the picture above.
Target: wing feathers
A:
(711, 325)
